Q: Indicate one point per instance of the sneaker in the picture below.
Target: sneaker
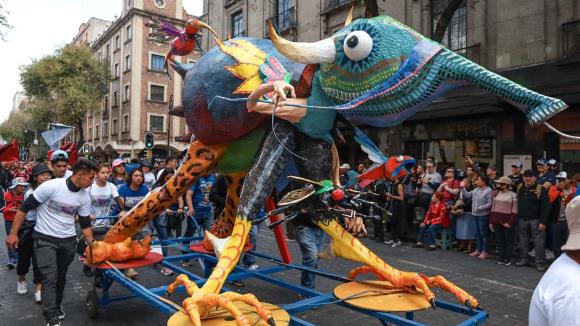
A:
(131, 273)
(541, 268)
(54, 323)
(166, 271)
(238, 283)
(500, 262)
(22, 287)
(38, 296)
(10, 265)
(507, 262)
(521, 263)
(186, 263)
(61, 313)
(418, 245)
(253, 267)
(431, 248)
(396, 244)
(389, 242)
(475, 253)
(483, 255)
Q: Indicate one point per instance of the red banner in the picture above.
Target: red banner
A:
(9, 152)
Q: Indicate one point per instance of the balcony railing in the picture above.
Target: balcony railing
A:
(571, 39)
(472, 53)
(283, 21)
(332, 4)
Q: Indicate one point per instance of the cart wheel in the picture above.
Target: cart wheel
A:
(92, 304)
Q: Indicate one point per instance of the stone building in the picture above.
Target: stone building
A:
(140, 91)
(533, 42)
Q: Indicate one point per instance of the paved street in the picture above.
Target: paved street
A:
(503, 291)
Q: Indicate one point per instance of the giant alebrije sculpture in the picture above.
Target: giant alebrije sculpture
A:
(373, 71)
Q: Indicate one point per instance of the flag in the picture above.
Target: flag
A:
(9, 152)
(72, 152)
(56, 132)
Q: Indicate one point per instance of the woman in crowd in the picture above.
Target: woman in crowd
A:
(396, 198)
(104, 196)
(14, 198)
(450, 186)
(161, 223)
(132, 192)
(40, 174)
(503, 218)
(150, 180)
(119, 173)
(465, 222)
(481, 198)
(436, 219)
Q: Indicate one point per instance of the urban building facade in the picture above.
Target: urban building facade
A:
(533, 42)
(141, 89)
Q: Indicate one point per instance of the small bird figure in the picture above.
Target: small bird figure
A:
(182, 42)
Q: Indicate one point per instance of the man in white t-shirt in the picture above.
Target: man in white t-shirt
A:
(57, 203)
(556, 300)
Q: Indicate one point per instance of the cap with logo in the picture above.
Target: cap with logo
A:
(562, 175)
(517, 164)
(59, 155)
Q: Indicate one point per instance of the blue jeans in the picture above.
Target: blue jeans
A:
(12, 253)
(481, 227)
(160, 224)
(311, 241)
(430, 231)
(249, 260)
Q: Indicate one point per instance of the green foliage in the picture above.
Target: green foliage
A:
(3, 23)
(65, 86)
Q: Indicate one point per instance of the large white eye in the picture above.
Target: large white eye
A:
(357, 45)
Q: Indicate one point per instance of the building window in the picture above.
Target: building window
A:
(90, 133)
(125, 123)
(114, 127)
(126, 93)
(108, 51)
(238, 24)
(157, 62)
(157, 93)
(157, 123)
(455, 37)
(284, 17)
(127, 62)
(128, 33)
(115, 98)
(100, 55)
(105, 129)
(105, 102)
(97, 134)
(160, 3)
(116, 70)
(128, 3)
(117, 42)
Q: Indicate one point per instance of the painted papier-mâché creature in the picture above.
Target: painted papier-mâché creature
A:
(374, 71)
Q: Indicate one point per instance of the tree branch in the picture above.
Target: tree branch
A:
(445, 19)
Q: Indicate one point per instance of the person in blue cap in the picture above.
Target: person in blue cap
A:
(59, 164)
(545, 177)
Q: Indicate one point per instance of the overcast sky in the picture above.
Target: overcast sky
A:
(42, 26)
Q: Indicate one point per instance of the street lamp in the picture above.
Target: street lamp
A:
(35, 141)
(169, 124)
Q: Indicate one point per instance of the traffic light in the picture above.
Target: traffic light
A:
(87, 149)
(149, 140)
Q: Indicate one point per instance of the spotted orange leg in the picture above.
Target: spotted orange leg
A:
(346, 246)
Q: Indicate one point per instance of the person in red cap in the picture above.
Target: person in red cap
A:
(119, 173)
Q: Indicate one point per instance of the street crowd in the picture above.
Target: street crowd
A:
(51, 211)
(480, 212)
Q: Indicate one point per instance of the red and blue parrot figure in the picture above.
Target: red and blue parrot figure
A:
(184, 42)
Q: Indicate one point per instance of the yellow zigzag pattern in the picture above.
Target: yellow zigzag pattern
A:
(249, 59)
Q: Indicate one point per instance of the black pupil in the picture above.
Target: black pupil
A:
(352, 41)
